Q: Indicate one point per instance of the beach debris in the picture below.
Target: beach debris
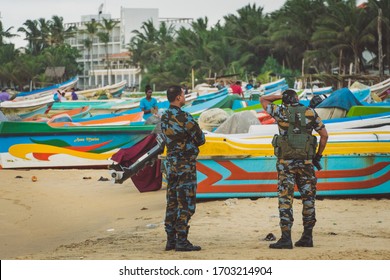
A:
(103, 179)
(332, 233)
(270, 237)
(231, 201)
(150, 226)
(34, 178)
(144, 208)
(87, 178)
(110, 229)
(18, 177)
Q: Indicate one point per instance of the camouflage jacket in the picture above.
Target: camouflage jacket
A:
(183, 134)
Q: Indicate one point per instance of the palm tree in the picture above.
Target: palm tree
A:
(105, 39)
(91, 31)
(345, 27)
(108, 26)
(246, 32)
(291, 29)
(57, 31)
(373, 8)
(152, 51)
(5, 33)
(199, 48)
(32, 35)
(88, 44)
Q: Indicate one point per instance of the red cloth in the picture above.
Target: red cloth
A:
(149, 178)
(236, 89)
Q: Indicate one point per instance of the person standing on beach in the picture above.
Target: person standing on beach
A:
(295, 148)
(74, 94)
(237, 89)
(183, 137)
(148, 104)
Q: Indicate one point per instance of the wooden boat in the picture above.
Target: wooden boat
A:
(275, 87)
(23, 107)
(77, 113)
(115, 120)
(114, 90)
(35, 113)
(308, 93)
(210, 96)
(224, 101)
(97, 106)
(275, 84)
(38, 145)
(355, 162)
(46, 90)
(381, 87)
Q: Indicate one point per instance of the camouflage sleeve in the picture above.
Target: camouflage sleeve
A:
(272, 109)
(194, 130)
(315, 119)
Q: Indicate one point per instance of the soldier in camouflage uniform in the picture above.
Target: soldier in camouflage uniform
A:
(295, 170)
(183, 137)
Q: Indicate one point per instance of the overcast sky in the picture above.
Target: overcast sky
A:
(16, 12)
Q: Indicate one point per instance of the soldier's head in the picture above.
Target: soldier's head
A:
(290, 97)
(175, 95)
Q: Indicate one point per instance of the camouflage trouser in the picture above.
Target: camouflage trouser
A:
(290, 173)
(181, 195)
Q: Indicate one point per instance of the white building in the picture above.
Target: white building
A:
(130, 20)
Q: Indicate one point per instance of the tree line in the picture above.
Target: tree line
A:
(303, 36)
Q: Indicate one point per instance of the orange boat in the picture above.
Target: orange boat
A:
(117, 120)
(72, 113)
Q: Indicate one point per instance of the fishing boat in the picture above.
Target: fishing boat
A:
(77, 113)
(274, 84)
(108, 121)
(26, 107)
(114, 90)
(379, 88)
(308, 93)
(97, 106)
(46, 90)
(356, 161)
(270, 88)
(38, 145)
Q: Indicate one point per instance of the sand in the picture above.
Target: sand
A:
(69, 214)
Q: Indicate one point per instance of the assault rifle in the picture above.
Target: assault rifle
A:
(120, 173)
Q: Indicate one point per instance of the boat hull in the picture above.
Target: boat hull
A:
(37, 145)
(343, 175)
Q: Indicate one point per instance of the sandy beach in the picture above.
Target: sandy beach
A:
(70, 214)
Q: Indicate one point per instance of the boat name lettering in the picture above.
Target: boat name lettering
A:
(90, 139)
(87, 139)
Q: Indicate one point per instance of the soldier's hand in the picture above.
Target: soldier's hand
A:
(316, 161)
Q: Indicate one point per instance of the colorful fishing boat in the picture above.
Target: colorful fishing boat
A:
(38, 145)
(114, 90)
(46, 90)
(355, 162)
(108, 121)
(77, 113)
(26, 107)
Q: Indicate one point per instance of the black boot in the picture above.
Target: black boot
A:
(284, 242)
(306, 239)
(171, 242)
(183, 245)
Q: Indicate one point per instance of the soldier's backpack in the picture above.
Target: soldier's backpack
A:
(297, 144)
